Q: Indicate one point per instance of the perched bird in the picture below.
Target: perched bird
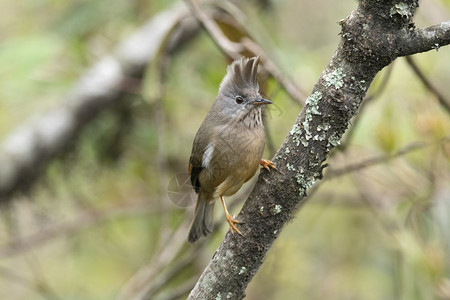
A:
(228, 146)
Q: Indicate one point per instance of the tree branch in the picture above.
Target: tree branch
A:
(369, 43)
(31, 147)
(424, 39)
(88, 219)
(246, 46)
(428, 84)
(332, 173)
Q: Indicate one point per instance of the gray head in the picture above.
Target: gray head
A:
(239, 91)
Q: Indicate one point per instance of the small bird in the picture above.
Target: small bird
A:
(228, 146)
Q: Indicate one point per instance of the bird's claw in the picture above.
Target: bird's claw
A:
(231, 221)
(267, 164)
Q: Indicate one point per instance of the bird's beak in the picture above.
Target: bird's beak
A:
(261, 102)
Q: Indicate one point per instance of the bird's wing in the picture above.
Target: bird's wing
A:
(194, 173)
(195, 161)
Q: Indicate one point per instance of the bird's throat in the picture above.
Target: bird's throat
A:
(252, 118)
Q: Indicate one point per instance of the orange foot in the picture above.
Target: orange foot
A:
(267, 164)
(231, 221)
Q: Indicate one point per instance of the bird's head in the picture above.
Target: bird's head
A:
(239, 90)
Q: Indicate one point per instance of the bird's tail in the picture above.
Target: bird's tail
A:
(203, 219)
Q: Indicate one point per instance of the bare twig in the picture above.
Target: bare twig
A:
(235, 50)
(13, 277)
(79, 223)
(166, 275)
(177, 292)
(41, 284)
(381, 159)
(288, 85)
(138, 286)
(230, 48)
(445, 103)
(147, 281)
(373, 161)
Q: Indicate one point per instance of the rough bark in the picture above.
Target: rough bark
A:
(373, 35)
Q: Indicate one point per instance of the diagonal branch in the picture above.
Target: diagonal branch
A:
(332, 173)
(31, 147)
(367, 46)
(235, 50)
(428, 84)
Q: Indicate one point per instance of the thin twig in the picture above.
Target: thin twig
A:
(427, 83)
(380, 159)
(152, 277)
(295, 92)
(41, 284)
(235, 50)
(142, 281)
(79, 223)
(13, 277)
(230, 48)
(169, 273)
(179, 291)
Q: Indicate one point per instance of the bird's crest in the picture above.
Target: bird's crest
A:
(241, 74)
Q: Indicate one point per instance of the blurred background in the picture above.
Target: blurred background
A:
(105, 216)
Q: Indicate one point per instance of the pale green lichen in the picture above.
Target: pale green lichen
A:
(334, 139)
(242, 270)
(229, 295)
(277, 209)
(301, 191)
(402, 9)
(323, 127)
(304, 182)
(308, 118)
(261, 209)
(313, 164)
(320, 137)
(335, 78)
(218, 296)
(287, 150)
(296, 132)
(290, 167)
(304, 140)
(313, 101)
(209, 281)
(307, 182)
(312, 108)
(228, 255)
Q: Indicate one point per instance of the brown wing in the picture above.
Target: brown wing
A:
(194, 172)
(195, 161)
(201, 140)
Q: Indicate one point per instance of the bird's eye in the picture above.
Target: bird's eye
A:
(239, 99)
